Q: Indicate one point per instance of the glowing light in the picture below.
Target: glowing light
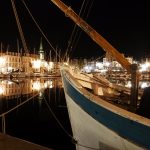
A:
(144, 85)
(99, 65)
(45, 64)
(104, 70)
(2, 90)
(2, 61)
(9, 69)
(107, 64)
(65, 63)
(50, 84)
(36, 85)
(88, 68)
(36, 64)
(51, 65)
(144, 67)
(128, 84)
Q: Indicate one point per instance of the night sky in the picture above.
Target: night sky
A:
(125, 24)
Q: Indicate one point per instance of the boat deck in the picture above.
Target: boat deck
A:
(11, 143)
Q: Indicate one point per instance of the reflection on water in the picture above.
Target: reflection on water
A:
(35, 120)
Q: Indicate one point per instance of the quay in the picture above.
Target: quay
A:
(12, 143)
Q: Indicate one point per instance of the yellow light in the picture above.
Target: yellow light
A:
(128, 84)
(2, 90)
(50, 84)
(36, 85)
(51, 65)
(2, 61)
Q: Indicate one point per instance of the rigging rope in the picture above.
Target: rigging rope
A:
(40, 29)
(76, 40)
(74, 141)
(69, 47)
(19, 27)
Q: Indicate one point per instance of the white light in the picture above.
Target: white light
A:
(65, 63)
(144, 85)
(86, 68)
(104, 70)
(99, 65)
(36, 64)
(144, 67)
(107, 64)
(51, 65)
(128, 84)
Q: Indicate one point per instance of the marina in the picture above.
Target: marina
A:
(34, 111)
(51, 100)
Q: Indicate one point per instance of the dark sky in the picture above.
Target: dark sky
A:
(125, 24)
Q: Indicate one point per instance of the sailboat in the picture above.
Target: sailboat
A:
(96, 123)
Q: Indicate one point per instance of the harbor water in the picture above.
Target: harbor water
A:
(35, 110)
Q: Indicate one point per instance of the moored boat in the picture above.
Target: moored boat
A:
(98, 123)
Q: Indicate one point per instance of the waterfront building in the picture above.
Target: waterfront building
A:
(15, 62)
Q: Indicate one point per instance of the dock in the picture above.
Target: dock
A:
(8, 142)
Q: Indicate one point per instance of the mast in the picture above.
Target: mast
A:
(19, 27)
(95, 36)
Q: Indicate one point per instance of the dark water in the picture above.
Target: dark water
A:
(40, 119)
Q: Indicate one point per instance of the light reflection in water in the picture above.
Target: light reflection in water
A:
(34, 121)
(16, 87)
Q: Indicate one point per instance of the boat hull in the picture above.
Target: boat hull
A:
(96, 127)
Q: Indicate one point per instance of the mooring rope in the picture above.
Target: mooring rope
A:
(74, 141)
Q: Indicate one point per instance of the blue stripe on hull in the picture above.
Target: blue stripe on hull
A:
(129, 129)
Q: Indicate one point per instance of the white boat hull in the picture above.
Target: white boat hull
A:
(95, 127)
(90, 134)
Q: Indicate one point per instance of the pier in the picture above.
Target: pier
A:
(8, 142)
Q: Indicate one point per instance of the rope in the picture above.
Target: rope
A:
(3, 124)
(5, 113)
(73, 33)
(19, 27)
(57, 120)
(74, 141)
(75, 40)
(40, 29)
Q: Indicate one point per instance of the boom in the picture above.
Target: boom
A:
(102, 42)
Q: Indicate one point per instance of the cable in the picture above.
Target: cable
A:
(74, 141)
(69, 47)
(5, 113)
(40, 28)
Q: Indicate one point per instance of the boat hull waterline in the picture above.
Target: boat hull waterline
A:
(98, 126)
